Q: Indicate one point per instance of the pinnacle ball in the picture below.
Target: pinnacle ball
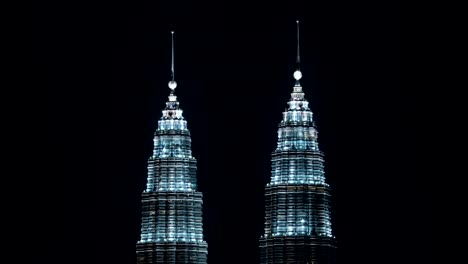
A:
(297, 75)
(172, 85)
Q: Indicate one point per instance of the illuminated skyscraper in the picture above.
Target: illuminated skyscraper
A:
(172, 229)
(297, 198)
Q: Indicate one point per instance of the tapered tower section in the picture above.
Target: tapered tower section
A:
(297, 198)
(172, 229)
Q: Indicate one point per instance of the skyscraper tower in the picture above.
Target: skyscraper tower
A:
(172, 229)
(297, 198)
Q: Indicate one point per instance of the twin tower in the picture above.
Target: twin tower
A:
(297, 208)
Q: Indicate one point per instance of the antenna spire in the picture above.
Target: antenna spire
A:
(297, 73)
(172, 83)
(298, 60)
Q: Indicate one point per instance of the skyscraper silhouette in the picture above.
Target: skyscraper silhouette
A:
(297, 198)
(172, 229)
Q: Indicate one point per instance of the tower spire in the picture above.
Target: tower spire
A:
(298, 60)
(297, 73)
(172, 83)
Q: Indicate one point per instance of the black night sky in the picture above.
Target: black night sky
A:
(106, 67)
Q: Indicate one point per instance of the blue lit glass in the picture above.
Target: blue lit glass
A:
(172, 209)
(297, 161)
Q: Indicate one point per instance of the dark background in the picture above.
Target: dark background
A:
(106, 68)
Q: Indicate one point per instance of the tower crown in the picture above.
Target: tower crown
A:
(172, 115)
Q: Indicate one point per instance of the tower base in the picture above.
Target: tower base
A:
(297, 250)
(171, 253)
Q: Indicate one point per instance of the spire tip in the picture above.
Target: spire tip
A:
(172, 83)
(297, 73)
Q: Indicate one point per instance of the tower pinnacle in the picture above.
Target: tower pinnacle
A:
(172, 83)
(297, 73)
(171, 205)
(297, 199)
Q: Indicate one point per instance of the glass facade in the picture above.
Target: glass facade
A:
(297, 198)
(172, 229)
